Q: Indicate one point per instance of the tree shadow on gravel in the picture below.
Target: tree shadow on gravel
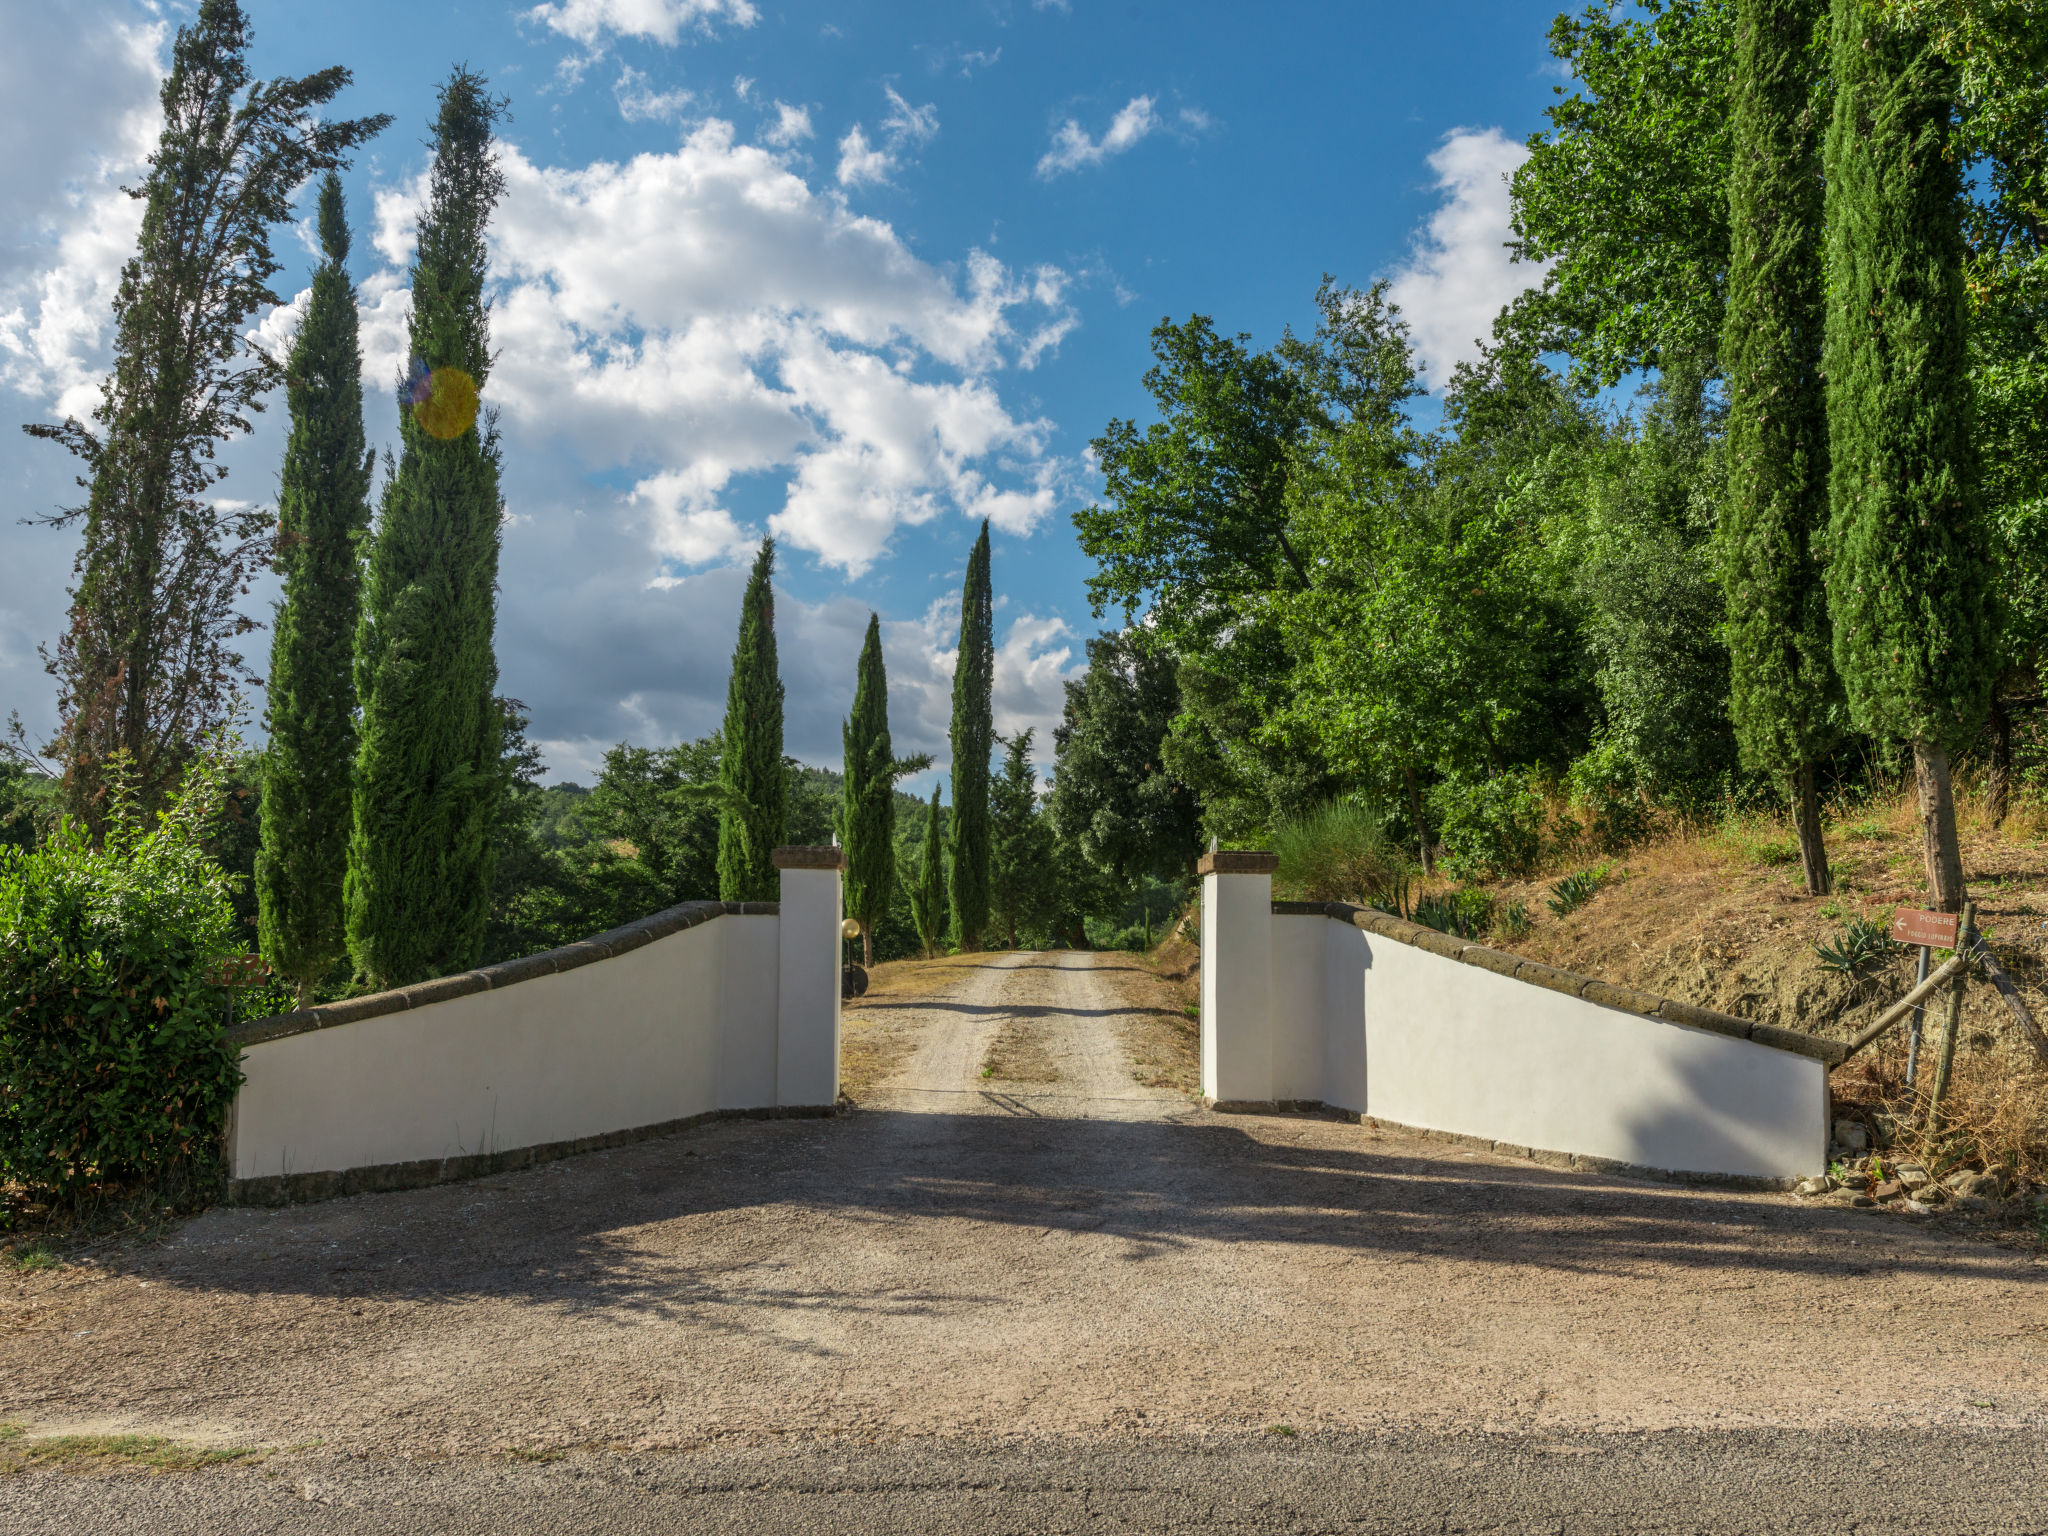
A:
(586, 1232)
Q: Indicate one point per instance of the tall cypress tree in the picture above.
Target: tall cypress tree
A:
(973, 739)
(323, 509)
(754, 792)
(869, 805)
(1909, 581)
(1784, 697)
(429, 782)
(928, 890)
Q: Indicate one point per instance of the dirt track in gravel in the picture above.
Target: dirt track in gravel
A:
(968, 1256)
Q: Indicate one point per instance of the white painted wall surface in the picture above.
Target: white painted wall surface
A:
(807, 1006)
(1237, 985)
(1451, 1047)
(748, 1023)
(622, 1043)
(1311, 1008)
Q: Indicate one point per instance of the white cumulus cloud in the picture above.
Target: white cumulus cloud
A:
(1072, 148)
(663, 21)
(862, 161)
(703, 317)
(792, 126)
(1459, 275)
(639, 102)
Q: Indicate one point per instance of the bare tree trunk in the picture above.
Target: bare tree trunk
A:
(1998, 781)
(1813, 849)
(1415, 809)
(1943, 853)
(305, 995)
(867, 946)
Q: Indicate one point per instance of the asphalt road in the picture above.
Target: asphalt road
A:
(1728, 1484)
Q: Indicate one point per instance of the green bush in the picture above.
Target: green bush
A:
(1605, 786)
(1465, 914)
(112, 1068)
(1337, 852)
(1488, 827)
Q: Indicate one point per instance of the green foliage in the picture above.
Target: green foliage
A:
(147, 664)
(1575, 890)
(1337, 852)
(1113, 801)
(1784, 696)
(973, 739)
(1464, 914)
(1910, 586)
(868, 807)
(323, 512)
(1627, 193)
(1604, 784)
(1511, 922)
(927, 887)
(1861, 944)
(1488, 826)
(112, 1069)
(29, 805)
(430, 780)
(1021, 857)
(753, 820)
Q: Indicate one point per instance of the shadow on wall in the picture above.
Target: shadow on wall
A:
(589, 1231)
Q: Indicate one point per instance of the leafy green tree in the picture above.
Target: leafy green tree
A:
(1909, 581)
(147, 665)
(868, 809)
(1626, 195)
(928, 887)
(1784, 696)
(754, 810)
(430, 779)
(1112, 799)
(323, 511)
(1021, 864)
(973, 741)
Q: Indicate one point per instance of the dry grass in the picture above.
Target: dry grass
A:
(1018, 1054)
(1719, 915)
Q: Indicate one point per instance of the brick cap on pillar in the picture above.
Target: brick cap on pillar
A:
(800, 857)
(1238, 862)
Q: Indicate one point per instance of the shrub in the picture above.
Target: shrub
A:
(1336, 852)
(1488, 827)
(1575, 890)
(1465, 914)
(112, 1068)
(1605, 787)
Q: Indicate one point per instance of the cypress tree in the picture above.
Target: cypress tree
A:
(1784, 697)
(323, 508)
(753, 790)
(429, 782)
(973, 740)
(869, 807)
(1021, 852)
(1909, 579)
(928, 890)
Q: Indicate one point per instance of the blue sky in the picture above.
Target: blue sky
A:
(860, 274)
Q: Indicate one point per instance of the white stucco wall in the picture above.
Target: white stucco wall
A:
(1382, 1028)
(622, 1043)
(1451, 1047)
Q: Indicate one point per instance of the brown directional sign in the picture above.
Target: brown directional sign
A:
(1935, 930)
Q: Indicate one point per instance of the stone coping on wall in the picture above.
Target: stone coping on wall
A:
(1648, 1005)
(490, 978)
(1237, 861)
(800, 856)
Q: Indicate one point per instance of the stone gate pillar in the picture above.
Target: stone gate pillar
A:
(807, 978)
(1237, 977)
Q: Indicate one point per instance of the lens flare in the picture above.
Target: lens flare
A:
(443, 400)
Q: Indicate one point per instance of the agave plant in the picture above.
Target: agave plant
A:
(1575, 890)
(1860, 945)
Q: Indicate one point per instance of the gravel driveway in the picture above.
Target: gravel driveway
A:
(1069, 1261)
